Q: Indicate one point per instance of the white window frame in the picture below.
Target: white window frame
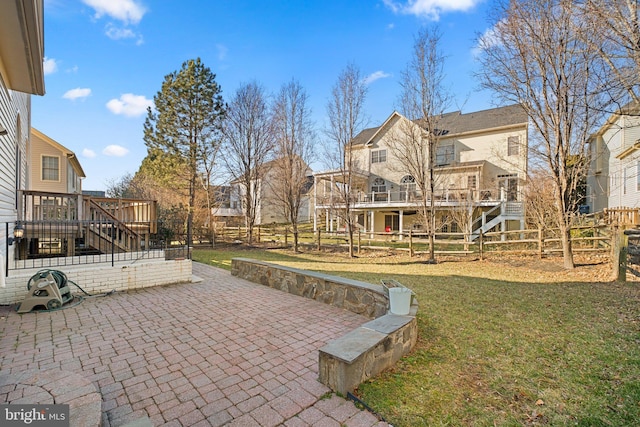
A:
(513, 146)
(445, 155)
(42, 168)
(379, 185)
(472, 182)
(378, 156)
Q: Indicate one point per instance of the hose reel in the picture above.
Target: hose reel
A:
(47, 288)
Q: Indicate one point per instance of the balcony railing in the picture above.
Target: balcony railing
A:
(452, 195)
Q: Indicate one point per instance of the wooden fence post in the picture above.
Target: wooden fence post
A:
(410, 243)
(481, 244)
(286, 237)
(358, 242)
(619, 255)
(319, 245)
(258, 238)
(540, 243)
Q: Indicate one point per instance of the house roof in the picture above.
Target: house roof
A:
(454, 123)
(22, 45)
(73, 159)
(632, 108)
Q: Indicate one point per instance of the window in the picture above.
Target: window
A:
(391, 223)
(379, 186)
(444, 155)
(509, 185)
(472, 182)
(72, 178)
(379, 156)
(407, 183)
(50, 170)
(513, 146)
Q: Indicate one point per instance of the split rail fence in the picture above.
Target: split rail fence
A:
(542, 242)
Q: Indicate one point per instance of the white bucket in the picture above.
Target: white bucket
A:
(400, 301)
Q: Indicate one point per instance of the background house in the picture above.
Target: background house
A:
(614, 174)
(54, 167)
(268, 210)
(481, 165)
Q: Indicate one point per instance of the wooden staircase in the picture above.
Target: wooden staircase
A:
(505, 211)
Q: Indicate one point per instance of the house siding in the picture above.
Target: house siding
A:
(490, 147)
(613, 177)
(40, 148)
(14, 113)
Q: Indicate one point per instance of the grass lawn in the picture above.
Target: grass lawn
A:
(505, 341)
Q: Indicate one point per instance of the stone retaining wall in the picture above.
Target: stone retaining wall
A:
(366, 351)
(358, 297)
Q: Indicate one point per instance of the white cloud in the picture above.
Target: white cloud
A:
(375, 76)
(50, 65)
(88, 153)
(118, 33)
(130, 105)
(222, 51)
(115, 151)
(488, 39)
(73, 69)
(430, 9)
(77, 93)
(127, 11)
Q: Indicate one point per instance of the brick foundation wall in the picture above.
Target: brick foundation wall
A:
(99, 278)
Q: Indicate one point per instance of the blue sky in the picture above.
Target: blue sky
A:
(106, 59)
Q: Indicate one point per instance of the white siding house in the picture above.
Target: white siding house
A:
(614, 176)
(480, 165)
(21, 74)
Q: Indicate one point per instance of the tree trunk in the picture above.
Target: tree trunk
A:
(350, 238)
(567, 251)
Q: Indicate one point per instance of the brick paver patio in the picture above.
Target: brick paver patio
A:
(223, 351)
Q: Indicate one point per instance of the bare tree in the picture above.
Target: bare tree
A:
(612, 28)
(423, 100)
(345, 111)
(294, 142)
(536, 57)
(540, 206)
(248, 141)
(208, 159)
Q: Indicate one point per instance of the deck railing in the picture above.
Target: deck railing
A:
(138, 217)
(47, 244)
